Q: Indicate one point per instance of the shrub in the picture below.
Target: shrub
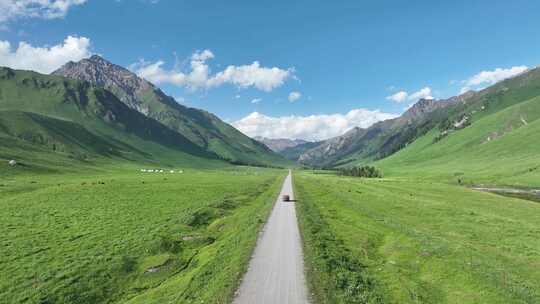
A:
(365, 171)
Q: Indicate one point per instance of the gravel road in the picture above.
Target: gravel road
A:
(276, 270)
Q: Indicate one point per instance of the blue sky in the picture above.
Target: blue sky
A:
(335, 56)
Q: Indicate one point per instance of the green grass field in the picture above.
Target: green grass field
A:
(410, 241)
(420, 235)
(121, 236)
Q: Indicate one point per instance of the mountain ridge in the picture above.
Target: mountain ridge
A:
(84, 120)
(375, 141)
(280, 144)
(201, 127)
(384, 138)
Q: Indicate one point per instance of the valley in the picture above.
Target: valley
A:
(109, 203)
(269, 153)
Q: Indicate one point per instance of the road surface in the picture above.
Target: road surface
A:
(276, 270)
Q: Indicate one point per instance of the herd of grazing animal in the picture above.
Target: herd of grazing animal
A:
(160, 171)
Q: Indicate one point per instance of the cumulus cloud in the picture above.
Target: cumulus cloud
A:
(44, 59)
(294, 96)
(199, 76)
(492, 77)
(424, 93)
(45, 9)
(402, 96)
(313, 127)
(256, 100)
(487, 78)
(253, 75)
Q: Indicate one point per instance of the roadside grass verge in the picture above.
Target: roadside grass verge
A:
(334, 274)
(131, 237)
(417, 242)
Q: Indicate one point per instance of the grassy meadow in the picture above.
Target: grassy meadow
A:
(123, 236)
(497, 149)
(410, 241)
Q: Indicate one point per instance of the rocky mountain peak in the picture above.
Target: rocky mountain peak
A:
(119, 80)
(333, 147)
(422, 107)
(99, 59)
(461, 98)
(280, 144)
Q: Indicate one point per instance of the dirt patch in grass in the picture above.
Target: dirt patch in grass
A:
(526, 194)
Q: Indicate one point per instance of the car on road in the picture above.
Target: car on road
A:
(286, 198)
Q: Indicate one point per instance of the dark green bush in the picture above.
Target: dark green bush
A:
(168, 244)
(203, 217)
(365, 171)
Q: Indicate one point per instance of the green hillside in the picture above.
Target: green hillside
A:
(202, 128)
(385, 138)
(55, 134)
(74, 119)
(496, 148)
(208, 131)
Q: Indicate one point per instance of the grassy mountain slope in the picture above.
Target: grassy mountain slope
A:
(54, 134)
(377, 141)
(83, 121)
(497, 148)
(386, 138)
(200, 127)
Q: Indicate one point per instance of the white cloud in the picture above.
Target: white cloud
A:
(424, 93)
(199, 76)
(313, 127)
(202, 56)
(402, 96)
(293, 96)
(491, 77)
(262, 78)
(256, 100)
(154, 73)
(44, 59)
(45, 9)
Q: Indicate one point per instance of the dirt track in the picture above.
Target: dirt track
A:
(276, 270)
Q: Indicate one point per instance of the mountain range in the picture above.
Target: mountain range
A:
(442, 119)
(200, 127)
(93, 109)
(280, 144)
